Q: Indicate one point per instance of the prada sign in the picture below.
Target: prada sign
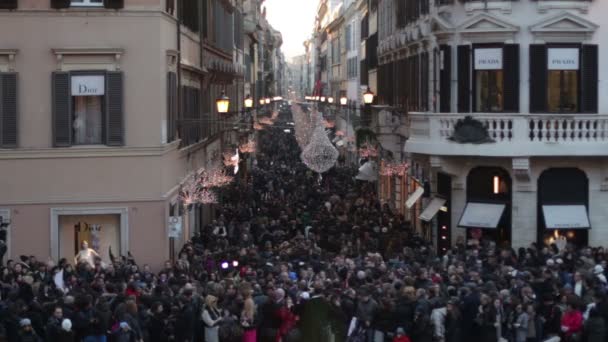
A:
(88, 85)
(488, 59)
(563, 59)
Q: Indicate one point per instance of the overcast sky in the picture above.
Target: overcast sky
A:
(295, 20)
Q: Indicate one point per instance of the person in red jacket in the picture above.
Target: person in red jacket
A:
(572, 321)
(401, 336)
(287, 317)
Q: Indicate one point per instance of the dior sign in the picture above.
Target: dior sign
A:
(563, 59)
(488, 59)
(88, 85)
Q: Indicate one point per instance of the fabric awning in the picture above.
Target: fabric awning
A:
(414, 197)
(566, 216)
(481, 215)
(431, 210)
(368, 172)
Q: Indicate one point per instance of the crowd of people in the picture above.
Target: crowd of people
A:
(291, 256)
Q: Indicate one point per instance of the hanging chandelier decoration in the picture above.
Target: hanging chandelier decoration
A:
(303, 125)
(320, 155)
(368, 151)
(393, 169)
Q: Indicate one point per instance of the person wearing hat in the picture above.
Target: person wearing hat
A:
(65, 334)
(26, 333)
(400, 336)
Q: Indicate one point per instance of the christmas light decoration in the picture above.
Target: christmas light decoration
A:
(340, 133)
(393, 169)
(329, 123)
(266, 121)
(257, 126)
(320, 155)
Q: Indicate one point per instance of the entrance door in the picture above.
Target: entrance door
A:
(491, 185)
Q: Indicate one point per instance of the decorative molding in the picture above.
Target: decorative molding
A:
(88, 152)
(88, 51)
(10, 54)
(503, 6)
(124, 224)
(547, 5)
(563, 27)
(487, 27)
(521, 169)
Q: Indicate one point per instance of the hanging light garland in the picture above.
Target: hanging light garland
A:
(266, 121)
(257, 126)
(368, 151)
(320, 155)
(393, 169)
(197, 186)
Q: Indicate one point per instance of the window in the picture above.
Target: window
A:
(92, 3)
(87, 120)
(562, 79)
(348, 35)
(489, 80)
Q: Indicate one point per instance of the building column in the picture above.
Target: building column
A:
(524, 204)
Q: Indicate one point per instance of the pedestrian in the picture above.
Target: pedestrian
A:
(211, 318)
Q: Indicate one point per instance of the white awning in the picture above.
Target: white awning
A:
(414, 197)
(431, 210)
(481, 215)
(368, 172)
(566, 217)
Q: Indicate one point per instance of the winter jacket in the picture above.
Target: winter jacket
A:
(595, 330)
(573, 322)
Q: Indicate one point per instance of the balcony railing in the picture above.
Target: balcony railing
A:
(513, 134)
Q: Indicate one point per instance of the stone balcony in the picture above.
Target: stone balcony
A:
(514, 135)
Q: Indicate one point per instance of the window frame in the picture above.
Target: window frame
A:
(579, 109)
(473, 76)
(86, 3)
(104, 106)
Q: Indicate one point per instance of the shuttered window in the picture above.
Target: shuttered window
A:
(8, 110)
(445, 78)
(67, 127)
(511, 78)
(589, 79)
(464, 78)
(538, 78)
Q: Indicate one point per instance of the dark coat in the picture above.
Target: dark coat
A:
(595, 330)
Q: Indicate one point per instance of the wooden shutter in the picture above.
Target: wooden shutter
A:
(511, 78)
(62, 110)
(538, 78)
(445, 80)
(58, 4)
(464, 79)
(589, 79)
(8, 110)
(171, 105)
(114, 4)
(114, 109)
(8, 4)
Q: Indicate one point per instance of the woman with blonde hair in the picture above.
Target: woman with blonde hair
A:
(248, 315)
(211, 318)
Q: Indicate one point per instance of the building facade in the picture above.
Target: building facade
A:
(105, 113)
(505, 122)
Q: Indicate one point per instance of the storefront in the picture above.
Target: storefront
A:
(487, 214)
(102, 228)
(563, 202)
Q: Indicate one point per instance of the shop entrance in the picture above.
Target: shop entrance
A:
(563, 206)
(101, 232)
(488, 194)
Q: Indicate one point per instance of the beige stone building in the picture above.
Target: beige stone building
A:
(104, 107)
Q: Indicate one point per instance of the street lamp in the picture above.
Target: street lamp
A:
(262, 102)
(248, 102)
(368, 97)
(343, 100)
(222, 103)
(322, 98)
(267, 100)
(330, 100)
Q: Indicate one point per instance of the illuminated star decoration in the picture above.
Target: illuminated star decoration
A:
(320, 155)
(248, 147)
(394, 169)
(368, 151)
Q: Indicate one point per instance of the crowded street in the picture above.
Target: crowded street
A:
(292, 256)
